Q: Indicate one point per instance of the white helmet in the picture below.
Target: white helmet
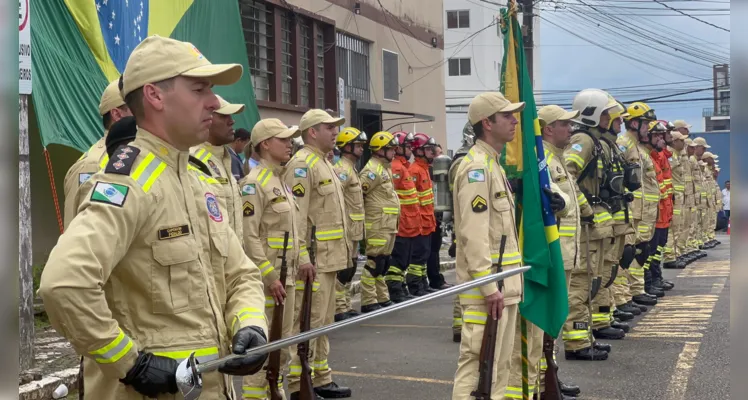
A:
(591, 103)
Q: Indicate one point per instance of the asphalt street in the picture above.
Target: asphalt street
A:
(676, 351)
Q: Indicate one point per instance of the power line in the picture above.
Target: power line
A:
(691, 16)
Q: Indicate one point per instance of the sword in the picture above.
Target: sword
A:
(189, 372)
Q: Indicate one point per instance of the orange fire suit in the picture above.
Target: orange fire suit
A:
(421, 250)
(409, 226)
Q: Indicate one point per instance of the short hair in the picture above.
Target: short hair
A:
(134, 99)
(106, 119)
(478, 127)
(242, 134)
(727, 181)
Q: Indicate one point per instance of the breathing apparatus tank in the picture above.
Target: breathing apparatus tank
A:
(442, 195)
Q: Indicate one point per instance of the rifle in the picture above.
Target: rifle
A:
(306, 392)
(488, 345)
(552, 385)
(276, 331)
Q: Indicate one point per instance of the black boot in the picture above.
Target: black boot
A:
(602, 347)
(456, 337)
(641, 308)
(333, 391)
(586, 354)
(341, 316)
(628, 308)
(352, 313)
(679, 264)
(295, 396)
(622, 315)
(662, 285)
(370, 307)
(397, 294)
(569, 389)
(385, 304)
(655, 291)
(644, 300)
(608, 333)
(620, 325)
(670, 265)
(408, 294)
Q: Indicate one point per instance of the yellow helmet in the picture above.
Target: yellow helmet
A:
(640, 110)
(657, 126)
(350, 135)
(382, 139)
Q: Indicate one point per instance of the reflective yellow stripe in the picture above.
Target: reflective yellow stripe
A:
(148, 171)
(114, 351)
(513, 392)
(269, 302)
(300, 286)
(475, 317)
(619, 216)
(368, 225)
(470, 294)
(567, 231)
(356, 217)
(247, 313)
(391, 210)
(104, 161)
(408, 192)
(277, 243)
(602, 217)
(376, 242)
(600, 317)
(407, 202)
(425, 192)
(637, 194)
(311, 159)
(676, 212)
(265, 268)
(481, 274)
(329, 235)
(320, 365)
(264, 177)
(582, 199)
(577, 160)
(576, 335)
(255, 392)
(509, 258)
(202, 355)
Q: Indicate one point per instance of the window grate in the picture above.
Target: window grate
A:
(305, 61)
(257, 25)
(390, 75)
(353, 66)
(286, 57)
(320, 43)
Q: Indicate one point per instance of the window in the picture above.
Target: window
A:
(353, 66)
(290, 56)
(459, 66)
(458, 19)
(390, 78)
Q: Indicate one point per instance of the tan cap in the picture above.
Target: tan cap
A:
(678, 136)
(702, 163)
(158, 58)
(552, 113)
(227, 108)
(272, 127)
(700, 141)
(316, 116)
(707, 155)
(111, 98)
(679, 123)
(689, 142)
(487, 104)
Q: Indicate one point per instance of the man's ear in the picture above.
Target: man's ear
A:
(154, 96)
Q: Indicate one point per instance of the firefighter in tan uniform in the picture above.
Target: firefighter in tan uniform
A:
(319, 193)
(269, 211)
(216, 155)
(484, 212)
(112, 108)
(350, 142)
(701, 187)
(711, 194)
(696, 215)
(644, 208)
(382, 209)
(579, 159)
(674, 250)
(684, 244)
(174, 281)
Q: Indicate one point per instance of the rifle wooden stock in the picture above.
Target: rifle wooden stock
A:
(306, 392)
(276, 331)
(552, 385)
(488, 344)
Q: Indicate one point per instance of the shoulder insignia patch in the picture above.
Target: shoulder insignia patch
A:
(248, 209)
(371, 175)
(110, 193)
(82, 178)
(476, 175)
(479, 204)
(299, 172)
(276, 191)
(298, 190)
(343, 176)
(622, 147)
(576, 146)
(213, 209)
(171, 233)
(119, 165)
(249, 189)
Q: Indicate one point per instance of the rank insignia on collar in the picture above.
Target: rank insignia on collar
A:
(479, 204)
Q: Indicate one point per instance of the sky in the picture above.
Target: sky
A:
(659, 51)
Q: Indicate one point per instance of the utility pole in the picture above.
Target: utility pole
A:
(527, 33)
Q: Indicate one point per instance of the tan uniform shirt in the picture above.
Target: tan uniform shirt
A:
(698, 181)
(150, 265)
(381, 204)
(647, 198)
(319, 194)
(484, 211)
(568, 223)
(577, 155)
(677, 168)
(354, 198)
(270, 210)
(80, 172)
(218, 160)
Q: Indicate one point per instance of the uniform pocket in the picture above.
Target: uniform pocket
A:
(175, 276)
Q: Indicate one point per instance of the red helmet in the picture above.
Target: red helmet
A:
(668, 125)
(421, 140)
(404, 138)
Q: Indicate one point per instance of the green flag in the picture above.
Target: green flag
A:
(545, 297)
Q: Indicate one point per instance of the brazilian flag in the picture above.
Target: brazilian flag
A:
(82, 45)
(546, 299)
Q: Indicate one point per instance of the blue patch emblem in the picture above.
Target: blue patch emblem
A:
(622, 147)
(299, 173)
(213, 210)
(372, 175)
(249, 189)
(577, 147)
(82, 178)
(343, 176)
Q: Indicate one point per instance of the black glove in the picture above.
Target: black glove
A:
(589, 220)
(152, 375)
(245, 339)
(628, 196)
(557, 202)
(452, 249)
(628, 256)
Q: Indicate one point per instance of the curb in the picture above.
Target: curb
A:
(42, 389)
(443, 266)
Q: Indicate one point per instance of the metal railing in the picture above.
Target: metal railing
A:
(722, 111)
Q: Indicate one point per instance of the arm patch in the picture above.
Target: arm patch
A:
(122, 160)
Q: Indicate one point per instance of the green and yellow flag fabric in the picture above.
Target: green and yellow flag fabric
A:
(82, 45)
(546, 299)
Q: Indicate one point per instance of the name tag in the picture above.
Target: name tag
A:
(171, 233)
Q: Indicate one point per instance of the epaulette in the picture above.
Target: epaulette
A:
(200, 165)
(122, 160)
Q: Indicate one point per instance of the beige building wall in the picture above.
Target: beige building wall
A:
(421, 76)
